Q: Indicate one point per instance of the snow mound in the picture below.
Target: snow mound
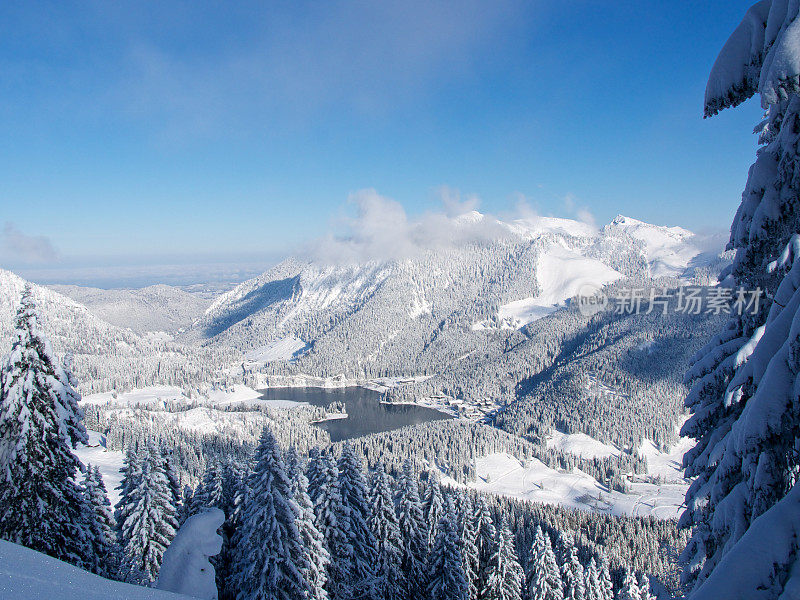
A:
(287, 348)
(29, 575)
(186, 568)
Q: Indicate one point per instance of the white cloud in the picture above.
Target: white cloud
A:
(17, 247)
(381, 229)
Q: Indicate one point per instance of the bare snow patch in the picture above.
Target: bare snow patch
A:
(505, 475)
(108, 461)
(581, 445)
(287, 348)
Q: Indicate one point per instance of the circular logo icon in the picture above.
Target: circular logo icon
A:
(591, 299)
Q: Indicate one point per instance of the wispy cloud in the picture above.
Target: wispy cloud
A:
(17, 247)
(382, 230)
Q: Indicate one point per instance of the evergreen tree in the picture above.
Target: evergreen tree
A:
(412, 530)
(173, 477)
(270, 562)
(353, 489)
(41, 505)
(592, 585)
(606, 585)
(210, 493)
(504, 575)
(469, 551)
(313, 544)
(571, 571)
(630, 588)
(105, 551)
(485, 541)
(543, 580)
(149, 522)
(333, 521)
(644, 587)
(445, 575)
(745, 414)
(385, 528)
(433, 507)
(233, 479)
(131, 480)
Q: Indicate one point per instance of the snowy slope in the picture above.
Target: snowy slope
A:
(562, 274)
(153, 308)
(669, 250)
(108, 461)
(505, 475)
(29, 575)
(68, 324)
(284, 349)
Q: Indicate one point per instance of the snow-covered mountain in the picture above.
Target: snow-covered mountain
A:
(105, 355)
(401, 307)
(153, 308)
(69, 325)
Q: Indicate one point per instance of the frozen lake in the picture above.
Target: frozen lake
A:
(365, 413)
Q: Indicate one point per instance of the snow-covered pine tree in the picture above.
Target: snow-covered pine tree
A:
(333, 521)
(606, 585)
(630, 587)
(41, 505)
(149, 523)
(233, 479)
(312, 541)
(543, 578)
(744, 506)
(210, 493)
(504, 575)
(591, 582)
(571, 570)
(70, 413)
(469, 551)
(105, 550)
(412, 530)
(353, 489)
(269, 562)
(385, 528)
(445, 574)
(131, 479)
(432, 507)
(485, 541)
(173, 477)
(644, 587)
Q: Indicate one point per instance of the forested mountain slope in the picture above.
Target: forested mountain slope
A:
(153, 308)
(413, 314)
(106, 356)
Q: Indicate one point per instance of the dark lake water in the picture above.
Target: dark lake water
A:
(365, 413)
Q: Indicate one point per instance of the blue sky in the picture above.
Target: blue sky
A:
(174, 132)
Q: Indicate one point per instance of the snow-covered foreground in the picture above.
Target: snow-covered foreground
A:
(29, 575)
(660, 493)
